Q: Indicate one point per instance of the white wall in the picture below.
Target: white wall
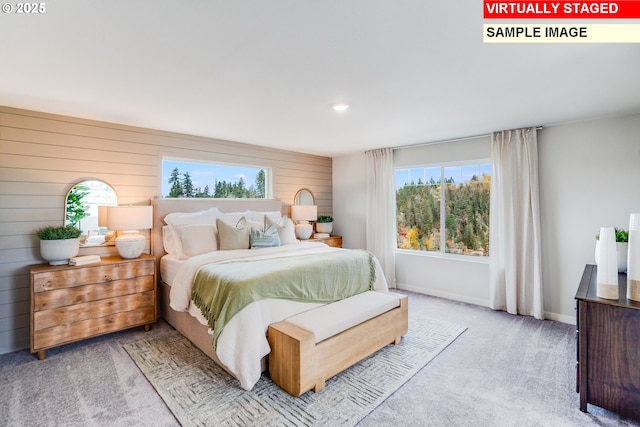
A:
(589, 177)
(349, 179)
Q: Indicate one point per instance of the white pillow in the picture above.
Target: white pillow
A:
(286, 229)
(274, 216)
(207, 216)
(253, 218)
(234, 217)
(197, 239)
(170, 241)
(233, 236)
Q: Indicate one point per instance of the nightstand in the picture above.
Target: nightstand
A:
(72, 303)
(335, 241)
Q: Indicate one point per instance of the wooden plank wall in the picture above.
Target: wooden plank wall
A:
(43, 155)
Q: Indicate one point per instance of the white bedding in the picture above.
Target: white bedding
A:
(243, 342)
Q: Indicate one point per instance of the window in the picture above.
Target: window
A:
(183, 178)
(444, 208)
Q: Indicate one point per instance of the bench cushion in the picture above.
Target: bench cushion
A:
(331, 319)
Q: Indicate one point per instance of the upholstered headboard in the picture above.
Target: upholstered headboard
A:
(163, 207)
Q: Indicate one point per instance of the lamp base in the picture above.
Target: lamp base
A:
(304, 231)
(130, 244)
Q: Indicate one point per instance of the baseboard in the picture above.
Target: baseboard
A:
(571, 320)
(563, 318)
(441, 294)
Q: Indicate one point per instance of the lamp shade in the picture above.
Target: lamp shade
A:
(102, 216)
(304, 212)
(129, 217)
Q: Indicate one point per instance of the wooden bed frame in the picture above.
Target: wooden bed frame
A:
(183, 322)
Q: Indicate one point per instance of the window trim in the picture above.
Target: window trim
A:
(442, 252)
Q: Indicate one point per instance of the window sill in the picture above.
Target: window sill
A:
(450, 257)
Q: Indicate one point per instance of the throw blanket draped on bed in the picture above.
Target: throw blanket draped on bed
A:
(222, 290)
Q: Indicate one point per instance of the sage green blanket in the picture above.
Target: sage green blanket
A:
(221, 290)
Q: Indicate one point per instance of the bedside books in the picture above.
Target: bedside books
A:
(321, 236)
(83, 260)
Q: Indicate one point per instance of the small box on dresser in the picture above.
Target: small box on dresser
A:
(72, 303)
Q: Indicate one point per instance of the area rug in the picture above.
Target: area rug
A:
(200, 393)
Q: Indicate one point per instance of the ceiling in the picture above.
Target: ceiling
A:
(268, 72)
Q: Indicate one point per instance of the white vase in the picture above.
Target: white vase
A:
(607, 285)
(58, 252)
(633, 262)
(621, 253)
(324, 227)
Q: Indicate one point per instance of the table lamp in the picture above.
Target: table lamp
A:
(302, 214)
(128, 220)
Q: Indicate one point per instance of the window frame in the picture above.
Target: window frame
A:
(268, 184)
(442, 252)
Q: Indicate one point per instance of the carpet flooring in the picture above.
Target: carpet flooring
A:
(503, 371)
(200, 393)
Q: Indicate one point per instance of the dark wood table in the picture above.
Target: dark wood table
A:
(608, 333)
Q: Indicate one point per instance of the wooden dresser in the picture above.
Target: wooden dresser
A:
(335, 241)
(608, 370)
(71, 303)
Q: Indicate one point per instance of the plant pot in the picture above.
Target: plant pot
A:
(621, 253)
(58, 252)
(324, 227)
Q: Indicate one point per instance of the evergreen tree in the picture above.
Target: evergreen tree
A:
(182, 186)
(260, 184)
(466, 215)
(176, 184)
(205, 192)
(187, 185)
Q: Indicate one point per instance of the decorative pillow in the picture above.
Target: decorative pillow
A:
(233, 236)
(275, 216)
(234, 217)
(267, 239)
(197, 239)
(286, 229)
(170, 241)
(207, 216)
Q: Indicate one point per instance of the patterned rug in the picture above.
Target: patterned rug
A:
(200, 393)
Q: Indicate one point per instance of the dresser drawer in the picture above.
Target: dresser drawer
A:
(71, 303)
(64, 334)
(63, 278)
(71, 314)
(82, 294)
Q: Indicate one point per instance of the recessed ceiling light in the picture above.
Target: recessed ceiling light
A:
(340, 107)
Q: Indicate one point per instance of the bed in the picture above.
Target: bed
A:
(242, 345)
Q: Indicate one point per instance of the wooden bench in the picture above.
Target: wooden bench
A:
(311, 347)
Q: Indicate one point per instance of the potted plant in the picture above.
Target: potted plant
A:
(622, 245)
(59, 243)
(324, 224)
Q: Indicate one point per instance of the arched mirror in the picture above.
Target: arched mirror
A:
(81, 210)
(304, 197)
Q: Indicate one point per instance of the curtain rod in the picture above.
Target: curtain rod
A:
(420, 144)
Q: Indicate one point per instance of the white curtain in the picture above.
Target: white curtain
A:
(381, 211)
(515, 272)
